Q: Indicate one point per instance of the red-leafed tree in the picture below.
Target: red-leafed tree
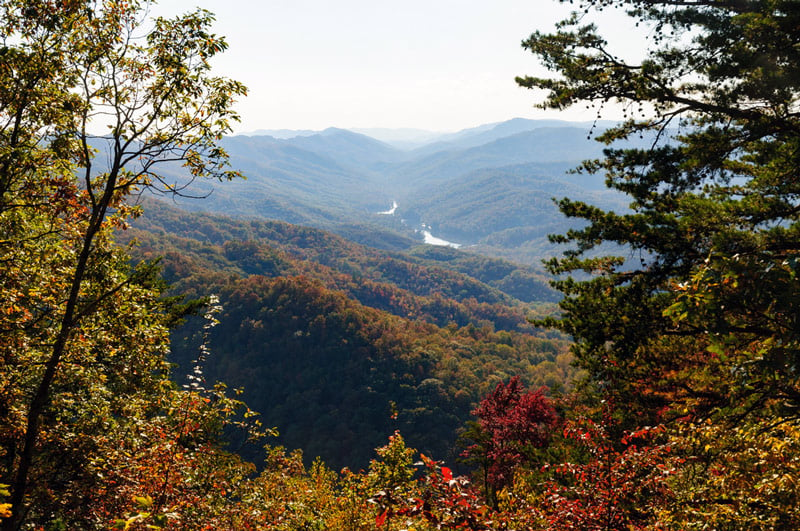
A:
(512, 424)
(610, 480)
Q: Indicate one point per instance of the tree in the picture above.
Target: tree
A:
(719, 192)
(608, 483)
(696, 318)
(512, 424)
(79, 324)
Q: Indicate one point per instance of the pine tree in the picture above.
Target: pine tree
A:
(695, 320)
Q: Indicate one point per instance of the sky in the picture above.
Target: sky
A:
(439, 65)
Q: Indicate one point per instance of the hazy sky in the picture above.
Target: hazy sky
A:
(431, 64)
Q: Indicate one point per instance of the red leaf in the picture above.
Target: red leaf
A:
(381, 518)
(447, 474)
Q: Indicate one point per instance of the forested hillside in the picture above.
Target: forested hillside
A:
(337, 378)
(424, 270)
(338, 344)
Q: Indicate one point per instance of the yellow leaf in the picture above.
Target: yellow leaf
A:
(143, 501)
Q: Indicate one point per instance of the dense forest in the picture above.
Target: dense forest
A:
(421, 383)
(339, 344)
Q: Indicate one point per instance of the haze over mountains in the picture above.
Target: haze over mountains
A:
(489, 188)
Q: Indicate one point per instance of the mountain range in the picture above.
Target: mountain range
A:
(489, 188)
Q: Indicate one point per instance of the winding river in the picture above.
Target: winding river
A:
(429, 238)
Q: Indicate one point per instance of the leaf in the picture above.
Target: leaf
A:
(381, 518)
(143, 501)
(447, 474)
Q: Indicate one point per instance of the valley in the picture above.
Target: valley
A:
(490, 189)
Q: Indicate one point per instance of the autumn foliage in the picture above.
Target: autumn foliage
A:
(685, 416)
(512, 424)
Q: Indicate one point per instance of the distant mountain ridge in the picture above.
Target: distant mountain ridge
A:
(487, 133)
(281, 133)
(407, 138)
(341, 180)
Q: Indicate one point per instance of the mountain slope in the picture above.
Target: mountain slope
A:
(488, 201)
(561, 148)
(339, 344)
(337, 378)
(490, 132)
(205, 237)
